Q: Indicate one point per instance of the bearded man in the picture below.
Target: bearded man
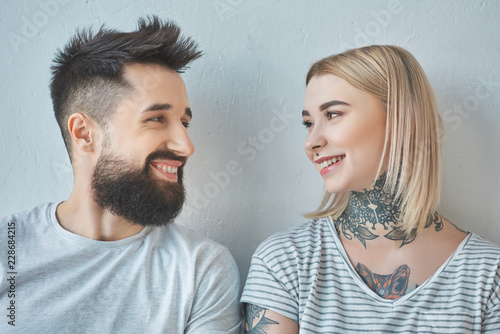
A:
(109, 259)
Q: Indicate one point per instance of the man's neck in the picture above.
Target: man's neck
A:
(82, 216)
(373, 217)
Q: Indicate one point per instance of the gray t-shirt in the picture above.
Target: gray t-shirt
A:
(161, 280)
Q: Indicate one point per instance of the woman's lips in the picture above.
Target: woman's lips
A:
(329, 163)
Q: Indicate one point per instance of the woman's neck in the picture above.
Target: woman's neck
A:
(373, 213)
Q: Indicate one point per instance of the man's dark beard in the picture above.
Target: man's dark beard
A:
(135, 194)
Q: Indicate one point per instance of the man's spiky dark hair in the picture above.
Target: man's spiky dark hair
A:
(87, 75)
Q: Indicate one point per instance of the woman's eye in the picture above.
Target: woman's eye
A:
(331, 114)
(307, 124)
(186, 124)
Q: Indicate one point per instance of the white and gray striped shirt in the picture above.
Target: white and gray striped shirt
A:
(304, 274)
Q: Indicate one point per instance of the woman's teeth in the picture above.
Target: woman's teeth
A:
(331, 161)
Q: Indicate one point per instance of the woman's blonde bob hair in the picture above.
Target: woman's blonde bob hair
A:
(412, 145)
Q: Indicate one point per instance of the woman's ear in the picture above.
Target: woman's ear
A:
(81, 129)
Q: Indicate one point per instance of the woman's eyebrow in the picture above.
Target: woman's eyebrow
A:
(332, 103)
(326, 105)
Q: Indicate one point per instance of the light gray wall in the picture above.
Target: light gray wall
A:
(247, 95)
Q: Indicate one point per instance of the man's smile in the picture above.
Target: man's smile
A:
(167, 169)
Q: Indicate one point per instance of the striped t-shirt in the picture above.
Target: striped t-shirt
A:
(304, 274)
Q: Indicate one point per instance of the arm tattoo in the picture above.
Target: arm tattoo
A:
(256, 320)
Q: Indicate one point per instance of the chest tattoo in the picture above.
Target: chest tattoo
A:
(390, 286)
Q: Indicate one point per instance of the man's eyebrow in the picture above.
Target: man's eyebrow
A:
(332, 103)
(166, 106)
(158, 106)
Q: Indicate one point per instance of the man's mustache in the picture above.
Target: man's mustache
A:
(164, 154)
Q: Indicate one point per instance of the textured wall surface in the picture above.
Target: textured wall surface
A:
(249, 176)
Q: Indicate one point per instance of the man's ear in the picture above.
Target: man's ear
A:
(82, 130)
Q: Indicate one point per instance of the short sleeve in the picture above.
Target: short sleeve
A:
(491, 319)
(267, 288)
(216, 307)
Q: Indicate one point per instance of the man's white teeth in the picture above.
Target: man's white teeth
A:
(331, 161)
(169, 169)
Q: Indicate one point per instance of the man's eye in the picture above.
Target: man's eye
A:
(156, 119)
(307, 124)
(186, 124)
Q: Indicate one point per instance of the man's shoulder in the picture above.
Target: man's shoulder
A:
(36, 213)
(297, 239)
(181, 238)
(187, 249)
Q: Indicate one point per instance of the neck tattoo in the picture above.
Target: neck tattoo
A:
(374, 208)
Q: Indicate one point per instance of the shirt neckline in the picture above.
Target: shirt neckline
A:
(84, 241)
(372, 294)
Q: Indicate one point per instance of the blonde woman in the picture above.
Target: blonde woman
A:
(376, 256)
